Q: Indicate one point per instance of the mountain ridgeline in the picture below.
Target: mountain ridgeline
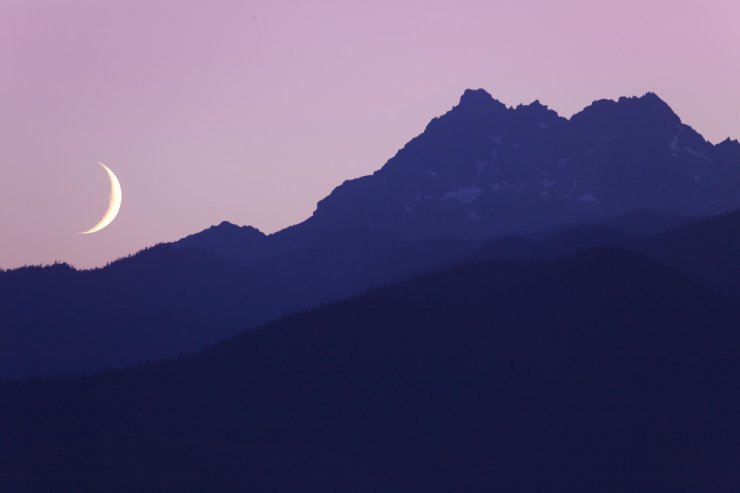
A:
(602, 372)
(483, 181)
(514, 302)
(485, 169)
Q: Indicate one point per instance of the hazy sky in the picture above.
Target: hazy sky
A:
(252, 111)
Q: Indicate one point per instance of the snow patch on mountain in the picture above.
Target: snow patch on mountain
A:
(502, 185)
(701, 155)
(547, 182)
(673, 144)
(463, 194)
(589, 197)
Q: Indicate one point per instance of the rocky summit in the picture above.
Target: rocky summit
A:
(484, 169)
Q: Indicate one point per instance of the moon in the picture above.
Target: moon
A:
(114, 202)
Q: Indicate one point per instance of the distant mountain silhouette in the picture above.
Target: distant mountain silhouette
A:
(482, 181)
(174, 299)
(707, 250)
(561, 244)
(646, 222)
(484, 169)
(244, 244)
(507, 345)
(160, 302)
(628, 231)
(605, 372)
(178, 298)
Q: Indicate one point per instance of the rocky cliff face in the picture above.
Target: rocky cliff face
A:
(484, 168)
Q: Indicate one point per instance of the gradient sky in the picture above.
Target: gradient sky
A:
(252, 111)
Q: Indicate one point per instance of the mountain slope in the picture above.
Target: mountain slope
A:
(560, 244)
(243, 245)
(604, 372)
(483, 169)
(160, 302)
(708, 250)
(178, 298)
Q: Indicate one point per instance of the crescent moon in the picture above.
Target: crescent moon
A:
(114, 202)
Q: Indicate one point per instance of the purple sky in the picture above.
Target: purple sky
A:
(252, 111)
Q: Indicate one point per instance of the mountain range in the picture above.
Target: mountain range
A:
(514, 302)
(600, 372)
(486, 169)
(481, 178)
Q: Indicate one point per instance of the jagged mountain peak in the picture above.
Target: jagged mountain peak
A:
(484, 168)
(649, 97)
(536, 113)
(729, 143)
(643, 111)
(728, 151)
(534, 105)
(650, 102)
(478, 105)
(226, 240)
(482, 99)
(477, 102)
(647, 103)
(476, 96)
(225, 227)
